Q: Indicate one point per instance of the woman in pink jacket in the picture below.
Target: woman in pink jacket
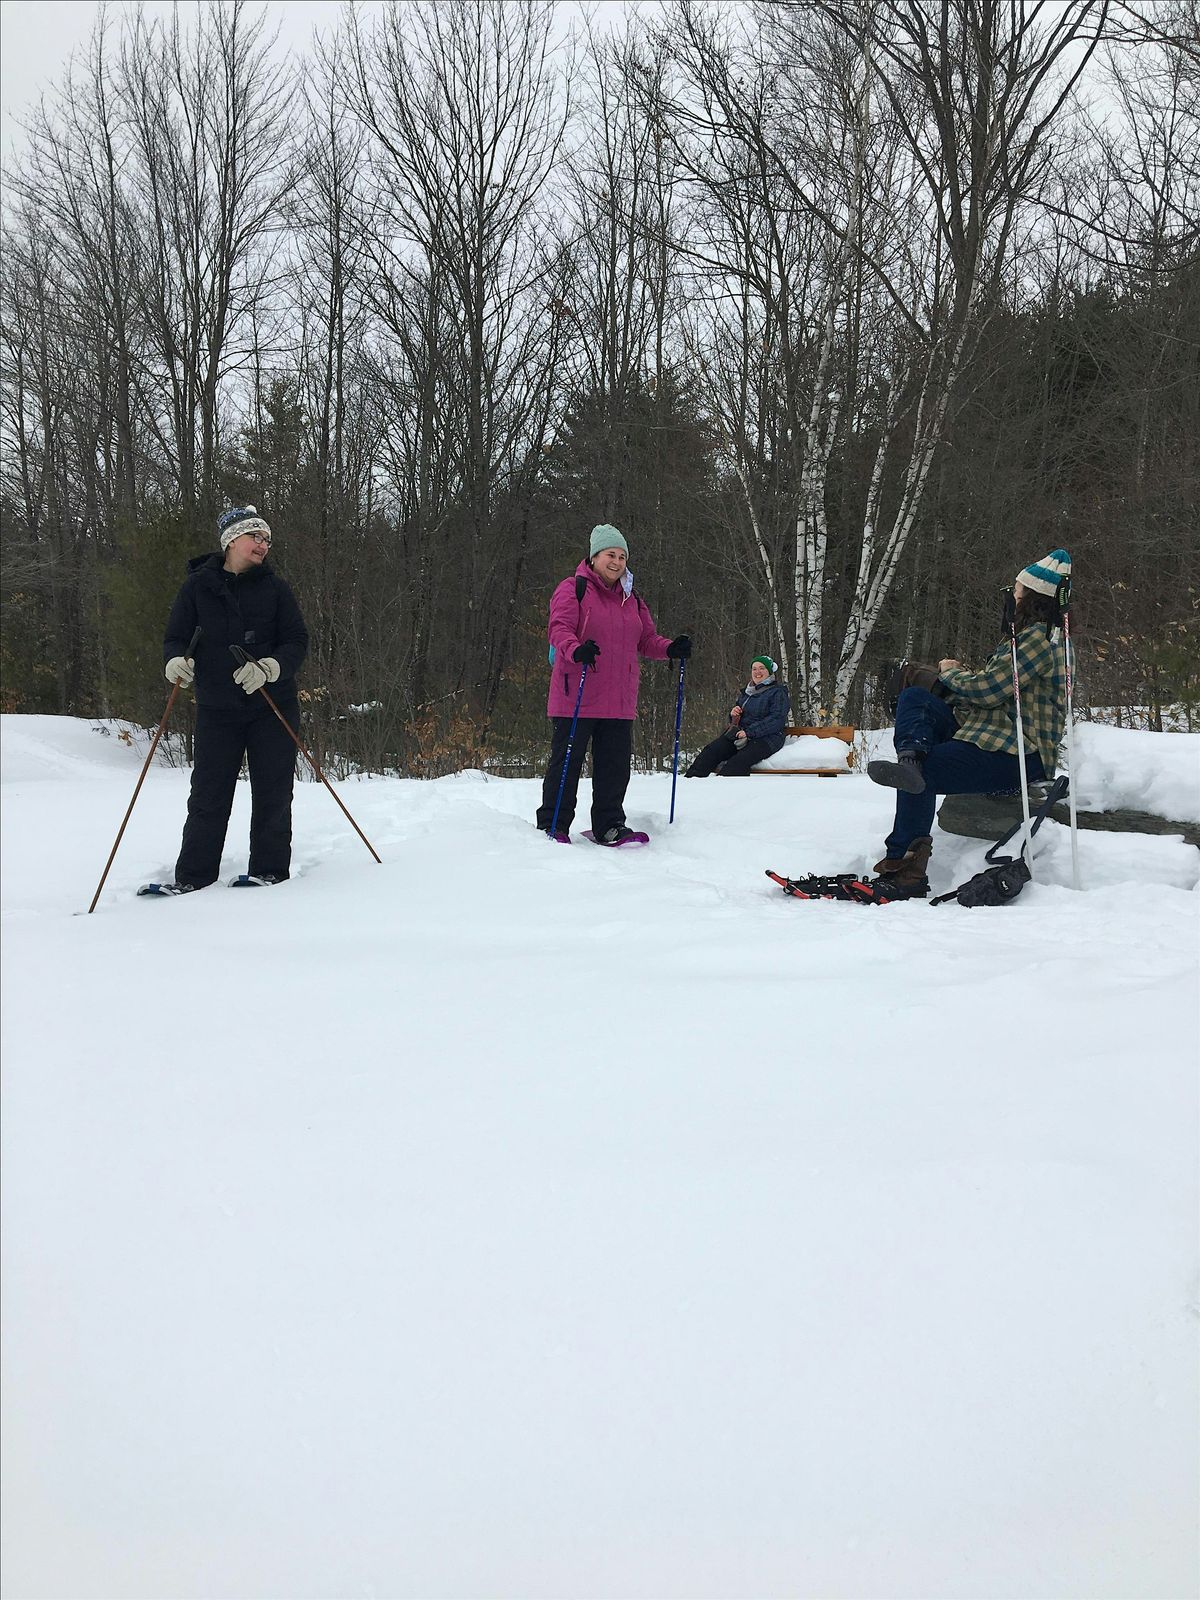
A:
(598, 621)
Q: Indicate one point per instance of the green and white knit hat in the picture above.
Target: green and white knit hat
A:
(606, 537)
(765, 661)
(1044, 576)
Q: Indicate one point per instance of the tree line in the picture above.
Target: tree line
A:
(842, 310)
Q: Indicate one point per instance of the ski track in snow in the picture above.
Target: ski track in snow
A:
(515, 1220)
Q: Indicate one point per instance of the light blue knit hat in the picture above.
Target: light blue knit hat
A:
(1044, 576)
(606, 537)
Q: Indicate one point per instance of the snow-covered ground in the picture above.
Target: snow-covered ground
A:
(512, 1220)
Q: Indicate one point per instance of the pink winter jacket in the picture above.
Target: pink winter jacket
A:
(622, 627)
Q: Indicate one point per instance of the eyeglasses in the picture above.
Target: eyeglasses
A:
(259, 538)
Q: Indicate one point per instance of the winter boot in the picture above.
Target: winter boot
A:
(903, 773)
(907, 878)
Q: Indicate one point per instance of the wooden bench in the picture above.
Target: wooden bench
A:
(846, 734)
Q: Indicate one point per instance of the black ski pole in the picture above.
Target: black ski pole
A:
(142, 778)
(243, 658)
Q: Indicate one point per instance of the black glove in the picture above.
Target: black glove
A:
(586, 653)
(679, 649)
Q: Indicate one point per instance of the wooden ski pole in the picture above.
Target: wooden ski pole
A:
(242, 657)
(142, 777)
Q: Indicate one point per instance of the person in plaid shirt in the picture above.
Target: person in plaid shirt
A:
(961, 736)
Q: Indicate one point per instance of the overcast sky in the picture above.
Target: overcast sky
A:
(38, 36)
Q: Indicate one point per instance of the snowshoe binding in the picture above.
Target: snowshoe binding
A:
(165, 891)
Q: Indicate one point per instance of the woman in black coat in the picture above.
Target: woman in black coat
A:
(756, 726)
(235, 598)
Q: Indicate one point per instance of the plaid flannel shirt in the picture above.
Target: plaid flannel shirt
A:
(983, 701)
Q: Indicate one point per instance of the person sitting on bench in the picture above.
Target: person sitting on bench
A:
(755, 730)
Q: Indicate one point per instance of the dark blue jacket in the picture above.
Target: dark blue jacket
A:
(255, 609)
(765, 714)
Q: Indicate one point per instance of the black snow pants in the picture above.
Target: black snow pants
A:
(737, 762)
(224, 735)
(612, 756)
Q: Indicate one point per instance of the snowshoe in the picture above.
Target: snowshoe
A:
(614, 838)
(251, 880)
(850, 887)
(165, 891)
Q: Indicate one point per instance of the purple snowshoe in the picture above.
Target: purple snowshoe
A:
(615, 838)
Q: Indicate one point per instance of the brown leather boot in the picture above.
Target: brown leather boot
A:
(909, 874)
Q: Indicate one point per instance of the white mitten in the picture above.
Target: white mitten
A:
(180, 671)
(251, 677)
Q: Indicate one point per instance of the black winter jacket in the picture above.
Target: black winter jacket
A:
(765, 714)
(255, 609)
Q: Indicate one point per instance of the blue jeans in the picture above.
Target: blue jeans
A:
(926, 725)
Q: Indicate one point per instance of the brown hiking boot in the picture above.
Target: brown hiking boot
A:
(908, 876)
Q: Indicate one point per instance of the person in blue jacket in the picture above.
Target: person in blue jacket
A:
(756, 726)
(235, 598)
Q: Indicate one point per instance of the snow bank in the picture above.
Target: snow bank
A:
(1121, 767)
(38, 749)
(514, 1220)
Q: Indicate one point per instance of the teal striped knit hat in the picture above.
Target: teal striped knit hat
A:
(606, 537)
(1044, 576)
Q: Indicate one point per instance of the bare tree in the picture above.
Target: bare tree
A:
(883, 153)
(208, 166)
(465, 119)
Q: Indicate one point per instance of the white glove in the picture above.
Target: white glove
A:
(180, 671)
(255, 673)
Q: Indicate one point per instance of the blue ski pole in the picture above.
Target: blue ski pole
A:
(678, 724)
(562, 782)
